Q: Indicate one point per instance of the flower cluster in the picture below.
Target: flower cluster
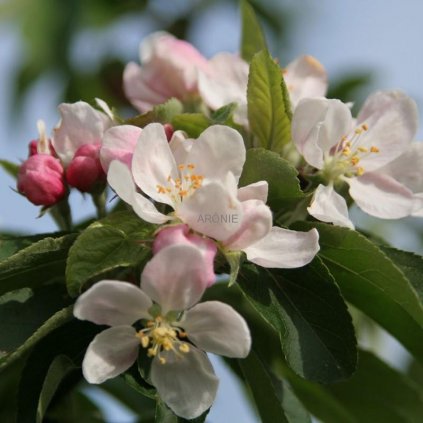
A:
(190, 188)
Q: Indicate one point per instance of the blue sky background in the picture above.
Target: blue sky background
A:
(381, 36)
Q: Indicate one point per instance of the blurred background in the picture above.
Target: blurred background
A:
(53, 51)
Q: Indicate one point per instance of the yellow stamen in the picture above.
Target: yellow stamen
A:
(181, 167)
(355, 160)
(360, 171)
(346, 151)
(358, 131)
(374, 149)
(162, 360)
(363, 149)
(191, 166)
(184, 348)
(364, 127)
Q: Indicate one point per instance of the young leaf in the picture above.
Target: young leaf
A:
(378, 393)
(192, 123)
(252, 37)
(370, 281)
(10, 168)
(268, 113)
(40, 263)
(268, 405)
(305, 307)
(264, 165)
(117, 241)
(224, 114)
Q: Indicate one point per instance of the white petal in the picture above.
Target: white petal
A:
(112, 303)
(418, 205)
(180, 145)
(213, 211)
(284, 249)
(110, 353)
(217, 151)
(256, 224)
(305, 77)
(319, 124)
(225, 82)
(120, 179)
(175, 277)
(255, 191)
(407, 168)
(217, 328)
(328, 206)
(186, 383)
(80, 124)
(381, 196)
(392, 121)
(119, 144)
(153, 162)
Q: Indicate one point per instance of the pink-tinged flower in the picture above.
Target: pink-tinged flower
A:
(355, 151)
(41, 180)
(176, 330)
(264, 244)
(169, 69)
(196, 178)
(181, 235)
(226, 82)
(305, 77)
(85, 172)
(80, 125)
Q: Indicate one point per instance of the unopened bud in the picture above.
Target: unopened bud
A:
(85, 171)
(41, 180)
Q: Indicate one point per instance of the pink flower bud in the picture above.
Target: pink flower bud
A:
(85, 171)
(41, 180)
(168, 130)
(180, 234)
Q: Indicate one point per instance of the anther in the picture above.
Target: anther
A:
(184, 348)
(360, 171)
(162, 360)
(364, 127)
(354, 160)
(374, 149)
(363, 149)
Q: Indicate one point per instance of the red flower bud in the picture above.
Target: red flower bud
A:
(85, 171)
(41, 180)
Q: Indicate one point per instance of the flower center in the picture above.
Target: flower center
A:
(160, 335)
(183, 186)
(345, 158)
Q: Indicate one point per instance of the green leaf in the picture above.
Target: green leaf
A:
(118, 241)
(268, 405)
(71, 340)
(252, 38)
(163, 113)
(264, 165)
(54, 322)
(378, 393)
(59, 368)
(224, 114)
(411, 265)
(12, 244)
(164, 414)
(22, 312)
(192, 123)
(305, 307)
(370, 281)
(10, 168)
(268, 113)
(40, 263)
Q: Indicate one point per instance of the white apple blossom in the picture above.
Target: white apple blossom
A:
(355, 151)
(80, 124)
(176, 330)
(196, 178)
(264, 244)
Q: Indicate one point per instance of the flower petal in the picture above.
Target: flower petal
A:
(217, 328)
(407, 168)
(328, 206)
(319, 124)
(256, 224)
(175, 277)
(217, 151)
(392, 120)
(80, 124)
(119, 144)
(112, 303)
(186, 383)
(212, 210)
(305, 77)
(381, 196)
(153, 162)
(285, 249)
(255, 191)
(120, 179)
(110, 353)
